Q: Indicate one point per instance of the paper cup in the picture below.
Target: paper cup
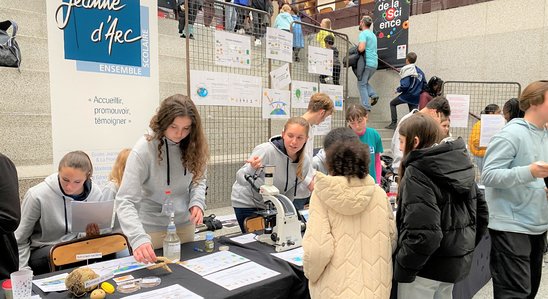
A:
(21, 284)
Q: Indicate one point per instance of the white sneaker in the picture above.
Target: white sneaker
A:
(257, 43)
(241, 31)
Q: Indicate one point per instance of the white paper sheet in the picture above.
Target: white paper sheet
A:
(117, 266)
(241, 275)
(232, 50)
(320, 61)
(460, 105)
(301, 91)
(279, 44)
(294, 256)
(336, 93)
(244, 239)
(213, 262)
(52, 284)
(324, 127)
(171, 292)
(84, 213)
(281, 77)
(491, 124)
(225, 89)
(276, 103)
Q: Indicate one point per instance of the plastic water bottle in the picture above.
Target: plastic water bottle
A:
(393, 194)
(209, 243)
(167, 207)
(172, 244)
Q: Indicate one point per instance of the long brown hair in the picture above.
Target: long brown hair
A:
(301, 153)
(194, 148)
(420, 125)
(119, 166)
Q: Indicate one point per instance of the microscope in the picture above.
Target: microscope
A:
(285, 233)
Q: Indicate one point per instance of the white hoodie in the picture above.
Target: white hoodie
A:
(142, 192)
(46, 217)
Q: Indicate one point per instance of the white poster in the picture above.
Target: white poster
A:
(276, 103)
(320, 61)
(335, 92)
(232, 50)
(323, 128)
(103, 62)
(224, 89)
(301, 91)
(280, 77)
(490, 124)
(279, 44)
(460, 105)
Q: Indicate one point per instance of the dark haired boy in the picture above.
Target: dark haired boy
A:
(412, 83)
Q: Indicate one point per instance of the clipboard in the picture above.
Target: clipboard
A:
(84, 213)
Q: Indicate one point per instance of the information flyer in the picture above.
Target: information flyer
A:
(279, 44)
(232, 50)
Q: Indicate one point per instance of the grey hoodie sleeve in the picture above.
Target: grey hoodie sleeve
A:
(308, 174)
(198, 193)
(128, 197)
(30, 214)
(318, 162)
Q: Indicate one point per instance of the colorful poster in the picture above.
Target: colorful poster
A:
(224, 89)
(320, 61)
(232, 50)
(301, 91)
(279, 44)
(391, 26)
(336, 93)
(276, 103)
(103, 61)
(280, 77)
(460, 105)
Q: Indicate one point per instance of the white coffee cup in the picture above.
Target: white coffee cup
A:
(21, 284)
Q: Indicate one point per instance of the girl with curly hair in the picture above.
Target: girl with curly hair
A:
(165, 173)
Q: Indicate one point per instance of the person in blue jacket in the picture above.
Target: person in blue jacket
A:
(412, 83)
(515, 164)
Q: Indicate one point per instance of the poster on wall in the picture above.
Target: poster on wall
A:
(279, 44)
(301, 91)
(336, 93)
(391, 26)
(280, 77)
(460, 105)
(103, 68)
(224, 89)
(276, 103)
(320, 61)
(232, 50)
(324, 127)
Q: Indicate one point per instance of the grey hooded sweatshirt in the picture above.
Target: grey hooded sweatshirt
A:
(142, 192)
(285, 176)
(46, 216)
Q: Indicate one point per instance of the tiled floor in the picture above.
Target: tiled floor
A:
(485, 293)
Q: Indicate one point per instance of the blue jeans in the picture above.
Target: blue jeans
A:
(230, 18)
(365, 89)
(242, 213)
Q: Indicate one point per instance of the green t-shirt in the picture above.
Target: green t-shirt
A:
(372, 138)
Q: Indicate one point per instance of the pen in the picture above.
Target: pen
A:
(198, 249)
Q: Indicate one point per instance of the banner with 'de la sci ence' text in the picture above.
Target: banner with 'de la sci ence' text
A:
(103, 60)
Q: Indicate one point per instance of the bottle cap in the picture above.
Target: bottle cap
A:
(167, 192)
(6, 285)
(209, 236)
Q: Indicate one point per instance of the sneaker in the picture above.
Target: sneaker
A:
(257, 43)
(191, 36)
(240, 31)
(374, 100)
(391, 126)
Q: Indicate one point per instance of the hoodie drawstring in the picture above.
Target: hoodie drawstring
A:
(286, 174)
(167, 160)
(296, 181)
(66, 220)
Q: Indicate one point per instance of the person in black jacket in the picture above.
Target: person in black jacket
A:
(10, 215)
(441, 214)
